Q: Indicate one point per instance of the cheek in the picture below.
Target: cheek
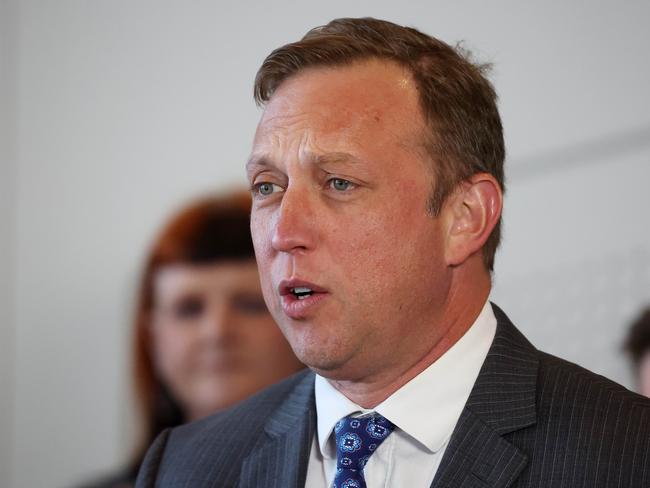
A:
(389, 260)
(262, 223)
(261, 236)
(172, 350)
(371, 246)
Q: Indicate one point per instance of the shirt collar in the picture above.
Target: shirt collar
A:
(427, 407)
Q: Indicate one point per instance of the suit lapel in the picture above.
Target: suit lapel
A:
(478, 457)
(502, 401)
(280, 460)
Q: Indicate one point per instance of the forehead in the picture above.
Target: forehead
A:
(173, 279)
(350, 104)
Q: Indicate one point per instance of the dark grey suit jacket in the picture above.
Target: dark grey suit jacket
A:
(532, 420)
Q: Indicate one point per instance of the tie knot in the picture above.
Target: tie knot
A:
(357, 438)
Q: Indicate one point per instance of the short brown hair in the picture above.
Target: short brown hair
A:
(465, 135)
(637, 343)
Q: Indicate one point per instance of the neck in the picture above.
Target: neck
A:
(462, 308)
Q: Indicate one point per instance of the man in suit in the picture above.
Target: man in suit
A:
(377, 177)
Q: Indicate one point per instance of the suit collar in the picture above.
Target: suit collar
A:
(281, 456)
(502, 401)
(504, 393)
(290, 412)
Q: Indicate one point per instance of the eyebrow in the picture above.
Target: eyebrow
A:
(315, 159)
(255, 161)
(332, 158)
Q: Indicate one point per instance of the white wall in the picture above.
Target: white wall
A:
(127, 108)
(7, 214)
(575, 267)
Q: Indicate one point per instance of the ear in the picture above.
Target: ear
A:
(473, 210)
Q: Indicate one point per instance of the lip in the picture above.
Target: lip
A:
(219, 365)
(296, 308)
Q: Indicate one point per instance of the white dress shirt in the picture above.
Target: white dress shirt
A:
(425, 412)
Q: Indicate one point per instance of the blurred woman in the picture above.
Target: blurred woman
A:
(204, 339)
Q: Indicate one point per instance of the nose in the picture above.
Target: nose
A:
(293, 230)
(218, 323)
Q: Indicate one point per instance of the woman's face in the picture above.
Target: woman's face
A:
(214, 341)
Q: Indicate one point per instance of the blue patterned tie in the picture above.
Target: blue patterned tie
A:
(356, 440)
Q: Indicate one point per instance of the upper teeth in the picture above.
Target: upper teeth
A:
(301, 289)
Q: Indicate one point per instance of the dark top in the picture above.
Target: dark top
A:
(532, 420)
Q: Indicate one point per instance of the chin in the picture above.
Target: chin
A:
(328, 364)
(319, 347)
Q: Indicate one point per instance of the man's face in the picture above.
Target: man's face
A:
(352, 266)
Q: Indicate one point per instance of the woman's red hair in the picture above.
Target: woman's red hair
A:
(208, 230)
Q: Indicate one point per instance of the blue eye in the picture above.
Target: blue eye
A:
(265, 188)
(339, 184)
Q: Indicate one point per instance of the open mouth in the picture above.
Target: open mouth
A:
(300, 297)
(301, 292)
(299, 289)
